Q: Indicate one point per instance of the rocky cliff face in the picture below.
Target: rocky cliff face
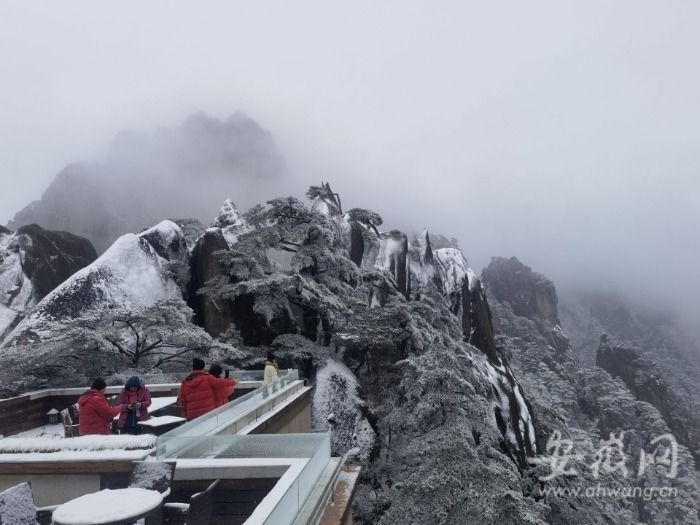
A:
(400, 341)
(647, 383)
(646, 349)
(585, 404)
(33, 262)
(528, 293)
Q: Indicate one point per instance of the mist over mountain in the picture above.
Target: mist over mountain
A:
(145, 176)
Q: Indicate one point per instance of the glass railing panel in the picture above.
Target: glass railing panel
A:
(305, 482)
(287, 508)
(314, 468)
(176, 378)
(315, 448)
(225, 415)
(256, 446)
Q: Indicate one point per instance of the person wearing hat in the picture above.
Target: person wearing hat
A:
(133, 400)
(96, 414)
(196, 396)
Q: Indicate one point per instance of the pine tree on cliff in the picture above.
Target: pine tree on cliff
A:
(368, 217)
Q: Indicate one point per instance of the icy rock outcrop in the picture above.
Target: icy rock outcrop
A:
(418, 269)
(468, 300)
(387, 252)
(447, 270)
(131, 273)
(33, 262)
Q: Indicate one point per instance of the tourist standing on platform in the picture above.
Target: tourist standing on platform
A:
(133, 400)
(272, 369)
(96, 414)
(223, 386)
(196, 395)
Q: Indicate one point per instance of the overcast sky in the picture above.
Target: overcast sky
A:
(567, 133)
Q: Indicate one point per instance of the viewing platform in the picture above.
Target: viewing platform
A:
(270, 467)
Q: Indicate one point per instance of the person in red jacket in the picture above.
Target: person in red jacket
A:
(96, 414)
(196, 395)
(223, 386)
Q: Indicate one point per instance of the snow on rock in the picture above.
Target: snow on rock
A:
(166, 237)
(16, 291)
(231, 222)
(389, 253)
(52, 431)
(153, 475)
(422, 266)
(130, 274)
(337, 408)
(510, 411)
(325, 207)
(228, 216)
(453, 269)
(17, 505)
(170, 243)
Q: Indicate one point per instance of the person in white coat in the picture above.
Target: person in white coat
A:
(271, 368)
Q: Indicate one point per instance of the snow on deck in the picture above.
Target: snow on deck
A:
(107, 506)
(54, 431)
(77, 455)
(23, 445)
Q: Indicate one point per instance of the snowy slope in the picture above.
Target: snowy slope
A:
(130, 273)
